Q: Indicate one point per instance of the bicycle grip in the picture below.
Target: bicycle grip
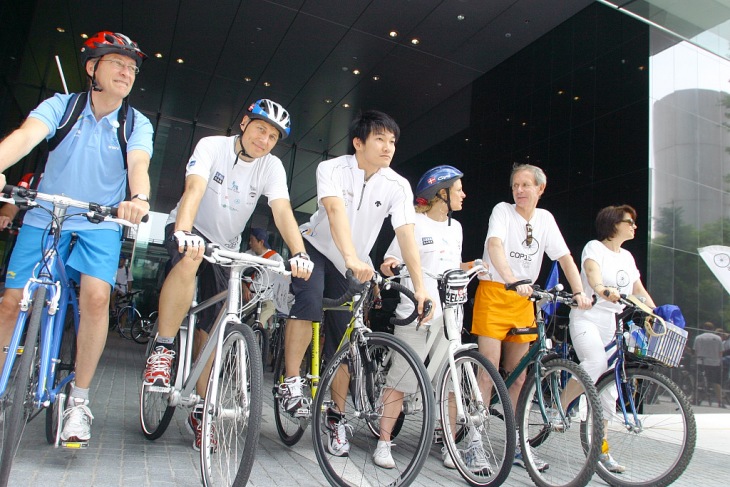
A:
(354, 286)
(409, 294)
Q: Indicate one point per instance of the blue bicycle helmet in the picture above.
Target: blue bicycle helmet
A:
(272, 112)
(435, 179)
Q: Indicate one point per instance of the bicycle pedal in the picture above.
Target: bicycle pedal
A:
(154, 388)
(301, 413)
(75, 445)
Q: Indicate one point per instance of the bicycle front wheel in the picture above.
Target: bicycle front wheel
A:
(656, 450)
(65, 365)
(482, 443)
(19, 410)
(554, 451)
(376, 370)
(232, 411)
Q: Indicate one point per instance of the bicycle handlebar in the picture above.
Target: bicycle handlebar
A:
(214, 253)
(357, 287)
(25, 198)
(556, 294)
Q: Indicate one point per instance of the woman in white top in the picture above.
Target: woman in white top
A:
(439, 238)
(609, 271)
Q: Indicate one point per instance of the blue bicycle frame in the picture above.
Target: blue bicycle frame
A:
(50, 273)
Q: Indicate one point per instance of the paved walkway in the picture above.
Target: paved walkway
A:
(119, 455)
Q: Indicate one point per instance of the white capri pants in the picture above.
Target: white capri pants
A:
(400, 376)
(589, 339)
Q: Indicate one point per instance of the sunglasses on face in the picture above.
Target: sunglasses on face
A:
(630, 221)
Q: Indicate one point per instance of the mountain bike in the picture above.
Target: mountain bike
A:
(650, 425)
(37, 374)
(232, 410)
(476, 421)
(547, 426)
(363, 361)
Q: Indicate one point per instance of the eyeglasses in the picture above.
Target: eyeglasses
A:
(131, 68)
(528, 239)
(630, 221)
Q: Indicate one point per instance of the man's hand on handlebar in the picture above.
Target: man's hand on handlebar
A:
(190, 244)
(133, 211)
(388, 266)
(524, 290)
(362, 271)
(301, 266)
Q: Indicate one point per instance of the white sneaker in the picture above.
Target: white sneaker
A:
(610, 464)
(448, 461)
(290, 395)
(338, 444)
(382, 456)
(77, 421)
(540, 464)
(475, 457)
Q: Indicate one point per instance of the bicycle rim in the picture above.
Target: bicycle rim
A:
(155, 413)
(571, 462)
(232, 411)
(125, 320)
(64, 367)
(26, 377)
(290, 429)
(659, 452)
(483, 444)
(397, 365)
(140, 331)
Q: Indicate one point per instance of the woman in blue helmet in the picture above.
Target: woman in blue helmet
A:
(439, 237)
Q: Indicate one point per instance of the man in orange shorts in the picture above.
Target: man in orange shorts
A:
(518, 237)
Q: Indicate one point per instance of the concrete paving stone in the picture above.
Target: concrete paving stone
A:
(119, 455)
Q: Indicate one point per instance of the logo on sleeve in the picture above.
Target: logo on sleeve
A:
(427, 241)
(218, 178)
(191, 163)
(378, 204)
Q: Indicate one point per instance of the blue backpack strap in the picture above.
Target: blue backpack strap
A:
(74, 107)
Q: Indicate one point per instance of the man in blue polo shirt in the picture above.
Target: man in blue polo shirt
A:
(87, 165)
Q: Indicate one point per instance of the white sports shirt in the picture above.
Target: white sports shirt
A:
(510, 227)
(367, 204)
(234, 187)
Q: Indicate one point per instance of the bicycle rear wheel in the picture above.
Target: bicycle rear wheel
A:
(483, 444)
(20, 409)
(125, 319)
(232, 411)
(351, 421)
(290, 429)
(141, 330)
(65, 365)
(570, 461)
(658, 451)
(155, 413)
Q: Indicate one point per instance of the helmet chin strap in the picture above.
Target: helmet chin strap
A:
(448, 204)
(242, 151)
(94, 85)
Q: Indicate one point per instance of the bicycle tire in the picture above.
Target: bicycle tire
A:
(26, 379)
(571, 462)
(483, 448)
(374, 388)
(155, 413)
(232, 412)
(290, 429)
(357, 467)
(124, 327)
(65, 365)
(661, 451)
(141, 331)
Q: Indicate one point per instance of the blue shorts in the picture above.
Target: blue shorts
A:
(95, 254)
(326, 281)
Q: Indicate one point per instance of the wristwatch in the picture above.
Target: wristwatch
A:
(141, 197)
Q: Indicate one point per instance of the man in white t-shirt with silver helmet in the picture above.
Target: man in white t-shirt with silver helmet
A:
(224, 179)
